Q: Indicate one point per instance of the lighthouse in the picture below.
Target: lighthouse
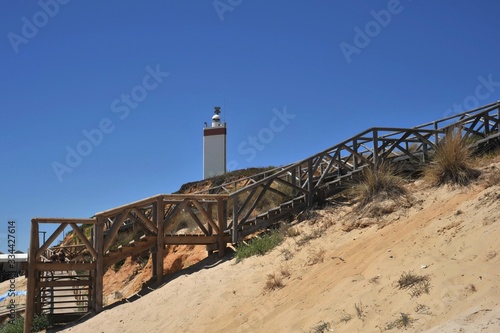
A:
(214, 147)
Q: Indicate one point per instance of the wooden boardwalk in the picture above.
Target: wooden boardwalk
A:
(229, 212)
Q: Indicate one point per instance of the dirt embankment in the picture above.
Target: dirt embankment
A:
(136, 271)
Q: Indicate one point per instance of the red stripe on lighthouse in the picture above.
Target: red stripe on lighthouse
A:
(214, 131)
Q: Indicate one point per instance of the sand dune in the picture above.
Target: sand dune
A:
(345, 281)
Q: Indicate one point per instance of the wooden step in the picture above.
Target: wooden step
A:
(275, 211)
(298, 200)
(263, 216)
(250, 222)
(111, 251)
(143, 238)
(129, 245)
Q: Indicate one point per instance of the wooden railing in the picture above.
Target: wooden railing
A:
(298, 184)
(233, 210)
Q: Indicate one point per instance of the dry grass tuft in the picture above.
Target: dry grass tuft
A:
(471, 288)
(379, 192)
(287, 254)
(408, 280)
(422, 309)
(404, 321)
(307, 237)
(293, 231)
(308, 214)
(378, 184)
(345, 317)
(452, 162)
(285, 271)
(274, 282)
(493, 178)
(416, 284)
(316, 257)
(359, 310)
(322, 327)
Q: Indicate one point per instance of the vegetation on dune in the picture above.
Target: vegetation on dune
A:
(403, 321)
(322, 327)
(17, 325)
(274, 282)
(259, 245)
(452, 161)
(222, 179)
(378, 184)
(416, 284)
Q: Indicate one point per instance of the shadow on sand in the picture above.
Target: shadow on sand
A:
(211, 261)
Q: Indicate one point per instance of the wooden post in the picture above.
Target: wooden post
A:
(92, 236)
(425, 152)
(339, 164)
(375, 150)
(300, 175)
(310, 185)
(294, 180)
(38, 291)
(498, 119)
(160, 239)
(154, 261)
(222, 220)
(99, 273)
(355, 157)
(235, 220)
(209, 227)
(31, 285)
(436, 134)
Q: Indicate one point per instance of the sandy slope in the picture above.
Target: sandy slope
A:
(454, 233)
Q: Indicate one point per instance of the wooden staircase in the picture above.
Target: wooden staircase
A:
(297, 186)
(64, 295)
(132, 248)
(272, 216)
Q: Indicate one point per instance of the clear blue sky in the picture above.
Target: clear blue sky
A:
(299, 76)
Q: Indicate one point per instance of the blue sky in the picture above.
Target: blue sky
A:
(127, 85)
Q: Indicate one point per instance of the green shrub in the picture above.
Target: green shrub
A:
(40, 323)
(17, 326)
(259, 245)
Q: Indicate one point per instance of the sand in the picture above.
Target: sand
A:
(344, 281)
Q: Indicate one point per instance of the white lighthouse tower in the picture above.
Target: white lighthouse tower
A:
(214, 147)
